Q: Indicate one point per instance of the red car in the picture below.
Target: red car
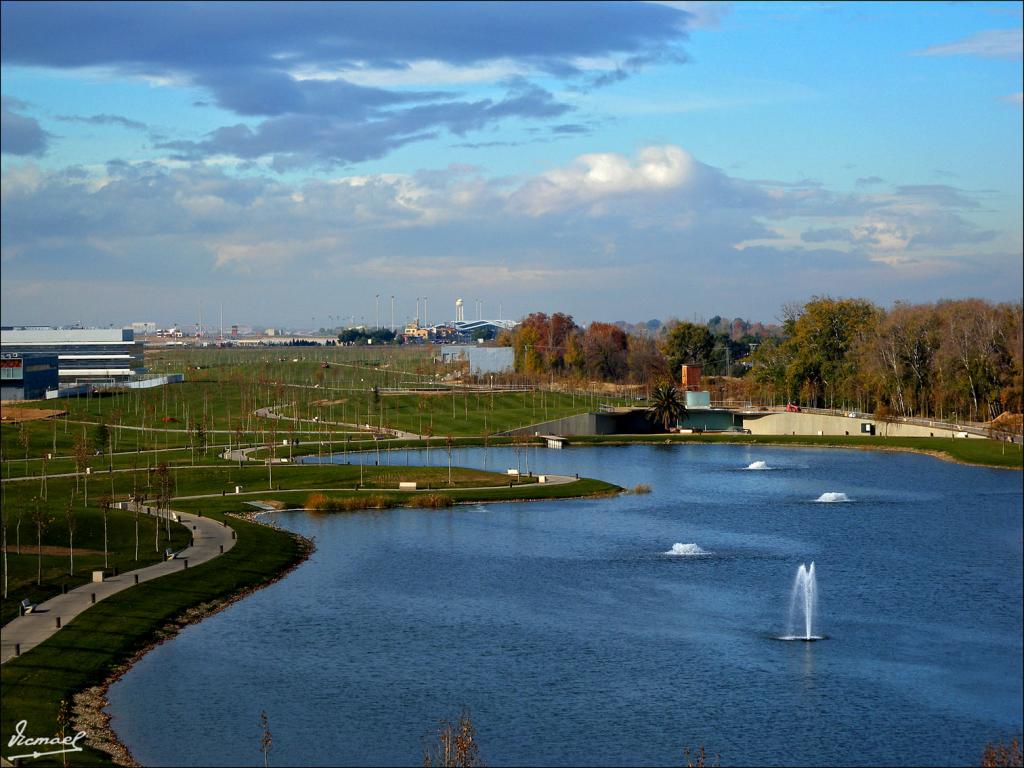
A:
(792, 408)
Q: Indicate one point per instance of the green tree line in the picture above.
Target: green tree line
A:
(952, 359)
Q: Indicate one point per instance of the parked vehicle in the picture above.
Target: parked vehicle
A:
(792, 408)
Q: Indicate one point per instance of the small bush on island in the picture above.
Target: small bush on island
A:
(431, 501)
(642, 488)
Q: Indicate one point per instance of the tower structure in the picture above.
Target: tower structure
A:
(459, 311)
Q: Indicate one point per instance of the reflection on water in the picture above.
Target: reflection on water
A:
(575, 638)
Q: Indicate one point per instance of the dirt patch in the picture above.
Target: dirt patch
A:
(13, 414)
(32, 549)
(327, 402)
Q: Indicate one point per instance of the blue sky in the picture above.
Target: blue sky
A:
(614, 161)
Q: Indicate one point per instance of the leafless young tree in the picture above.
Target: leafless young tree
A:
(69, 517)
(455, 745)
(106, 501)
(40, 518)
(266, 740)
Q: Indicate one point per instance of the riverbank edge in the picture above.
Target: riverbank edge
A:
(579, 441)
(89, 705)
(797, 443)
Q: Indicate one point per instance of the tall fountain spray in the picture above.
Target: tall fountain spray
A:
(803, 600)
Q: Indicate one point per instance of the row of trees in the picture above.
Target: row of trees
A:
(959, 360)
(555, 346)
(951, 359)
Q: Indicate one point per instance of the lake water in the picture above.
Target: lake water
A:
(574, 639)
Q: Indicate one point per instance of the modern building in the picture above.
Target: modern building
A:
(487, 329)
(84, 355)
(27, 377)
(144, 329)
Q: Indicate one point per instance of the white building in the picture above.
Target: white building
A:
(83, 354)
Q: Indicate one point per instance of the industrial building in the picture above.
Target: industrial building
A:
(27, 377)
(84, 355)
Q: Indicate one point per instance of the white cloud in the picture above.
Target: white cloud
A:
(990, 44)
(600, 221)
(597, 176)
(425, 72)
(703, 13)
(1014, 98)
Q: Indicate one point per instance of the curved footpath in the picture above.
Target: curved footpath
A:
(209, 539)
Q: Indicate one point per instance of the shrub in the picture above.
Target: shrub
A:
(454, 745)
(317, 502)
(642, 488)
(1003, 756)
(431, 501)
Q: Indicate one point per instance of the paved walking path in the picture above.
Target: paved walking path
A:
(269, 412)
(28, 631)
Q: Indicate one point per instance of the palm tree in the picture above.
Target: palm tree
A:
(667, 407)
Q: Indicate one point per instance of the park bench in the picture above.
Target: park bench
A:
(27, 606)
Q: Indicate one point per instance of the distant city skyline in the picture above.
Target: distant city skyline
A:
(611, 161)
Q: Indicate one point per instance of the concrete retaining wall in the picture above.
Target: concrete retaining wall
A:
(814, 424)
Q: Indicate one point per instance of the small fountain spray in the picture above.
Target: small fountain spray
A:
(804, 600)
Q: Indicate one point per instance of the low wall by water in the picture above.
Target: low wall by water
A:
(820, 424)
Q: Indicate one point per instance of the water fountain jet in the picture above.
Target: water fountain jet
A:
(803, 601)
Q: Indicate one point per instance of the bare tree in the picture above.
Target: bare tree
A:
(69, 516)
(19, 513)
(40, 517)
(80, 452)
(455, 746)
(3, 523)
(25, 439)
(163, 498)
(267, 739)
(106, 501)
(136, 502)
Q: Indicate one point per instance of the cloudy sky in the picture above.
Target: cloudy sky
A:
(614, 161)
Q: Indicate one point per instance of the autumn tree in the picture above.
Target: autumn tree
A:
(688, 344)
(605, 349)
